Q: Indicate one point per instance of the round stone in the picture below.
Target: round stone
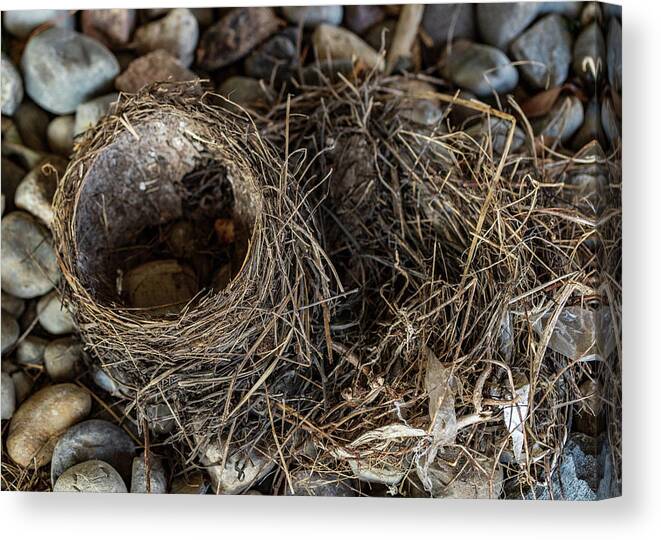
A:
(91, 477)
(53, 316)
(30, 351)
(312, 16)
(564, 119)
(89, 113)
(21, 22)
(501, 22)
(10, 331)
(60, 135)
(62, 359)
(35, 192)
(7, 397)
(12, 305)
(176, 33)
(11, 87)
(157, 480)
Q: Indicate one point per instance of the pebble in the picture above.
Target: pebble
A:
(244, 91)
(7, 396)
(569, 9)
(62, 359)
(161, 286)
(156, 66)
(310, 483)
(35, 193)
(30, 351)
(423, 111)
(21, 22)
(22, 385)
(41, 419)
(497, 129)
(311, 16)
(335, 43)
(359, 19)
(12, 175)
(63, 69)
(112, 27)
(11, 87)
(614, 54)
(590, 54)
(381, 35)
(93, 440)
(53, 316)
(500, 23)
(160, 419)
(243, 468)
(480, 69)
(177, 33)
(12, 305)
(89, 113)
(10, 331)
(60, 135)
(547, 45)
(90, 477)
(444, 23)
(29, 265)
(235, 35)
(32, 124)
(157, 480)
(276, 58)
(591, 128)
(564, 119)
(610, 122)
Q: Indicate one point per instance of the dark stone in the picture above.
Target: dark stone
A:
(614, 55)
(590, 54)
(275, 58)
(447, 22)
(359, 19)
(112, 27)
(500, 23)
(154, 67)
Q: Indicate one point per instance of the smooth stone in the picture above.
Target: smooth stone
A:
(564, 119)
(156, 66)
(612, 10)
(235, 35)
(103, 380)
(160, 286)
(11, 87)
(335, 43)
(244, 91)
(590, 54)
(22, 386)
(41, 419)
(62, 359)
(32, 124)
(176, 33)
(311, 16)
(21, 22)
(610, 122)
(93, 440)
(29, 265)
(547, 45)
(276, 58)
(112, 27)
(359, 19)
(444, 23)
(569, 9)
(157, 481)
(63, 69)
(614, 54)
(54, 317)
(10, 331)
(30, 351)
(12, 174)
(89, 113)
(381, 35)
(7, 396)
(90, 477)
(160, 419)
(35, 193)
(314, 484)
(193, 484)
(60, 135)
(480, 69)
(423, 111)
(498, 130)
(591, 129)
(12, 305)
(500, 23)
(10, 134)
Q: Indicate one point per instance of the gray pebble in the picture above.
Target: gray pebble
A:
(176, 33)
(158, 481)
(590, 54)
(21, 22)
(7, 396)
(150, 68)
(569, 9)
(12, 174)
(35, 192)
(500, 23)
(29, 265)
(614, 55)
(30, 351)
(12, 305)
(90, 477)
(312, 16)
(359, 19)
(60, 135)
(564, 119)
(480, 69)
(32, 123)
(275, 58)
(243, 90)
(62, 358)
(90, 112)
(53, 316)
(546, 49)
(105, 382)
(447, 22)
(11, 87)
(610, 122)
(423, 111)
(96, 440)
(591, 128)
(10, 331)
(63, 69)
(497, 130)
(22, 385)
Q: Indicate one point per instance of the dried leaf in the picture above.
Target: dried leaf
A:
(515, 418)
(441, 402)
(540, 104)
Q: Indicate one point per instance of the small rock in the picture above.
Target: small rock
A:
(235, 35)
(29, 265)
(335, 43)
(12, 305)
(63, 69)
(590, 54)
(590, 13)
(10, 331)
(112, 27)
(311, 16)
(564, 119)
(32, 124)
(90, 112)
(276, 58)
(243, 468)
(11, 87)
(103, 380)
(245, 91)
(41, 419)
(21, 22)
(157, 66)
(310, 483)
(381, 35)
(483, 480)
(62, 359)
(177, 33)
(8, 396)
(92, 440)
(160, 419)
(480, 69)
(610, 122)
(90, 477)
(60, 135)
(192, 484)
(612, 10)
(12, 175)
(591, 128)
(30, 351)
(545, 49)
(444, 23)
(157, 480)
(569, 9)
(500, 23)
(22, 386)
(496, 130)
(423, 111)
(53, 316)
(35, 193)
(359, 19)
(614, 54)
